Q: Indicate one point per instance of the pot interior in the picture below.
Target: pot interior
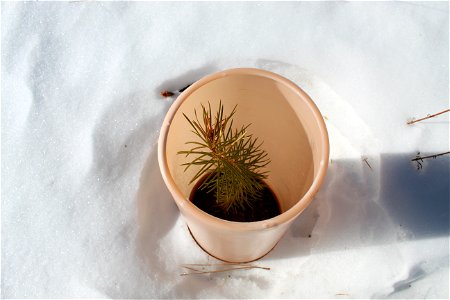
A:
(279, 116)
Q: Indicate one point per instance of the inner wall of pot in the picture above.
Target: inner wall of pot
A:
(274, 112)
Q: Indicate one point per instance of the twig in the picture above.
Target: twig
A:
(428, 117)
(365, 160)
(223, 264)
(182, 89)
(201, 270)
(418, 157)
(214, 271)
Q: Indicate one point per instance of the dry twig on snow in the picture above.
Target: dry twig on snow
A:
(420, 159)
(217, 268)
(428, 117)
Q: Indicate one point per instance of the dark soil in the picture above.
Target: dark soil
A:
(264, 208)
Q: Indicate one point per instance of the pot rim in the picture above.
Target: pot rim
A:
(284, 217)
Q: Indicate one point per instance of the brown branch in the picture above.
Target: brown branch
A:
(418, 157)
(428, 117)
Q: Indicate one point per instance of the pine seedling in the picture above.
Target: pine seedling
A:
(232, 158)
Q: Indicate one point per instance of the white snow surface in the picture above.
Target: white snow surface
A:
(85, 212)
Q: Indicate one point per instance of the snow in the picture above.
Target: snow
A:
(85, 212)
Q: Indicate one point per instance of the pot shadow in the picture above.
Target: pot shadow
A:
(185, 79)
(357, 206)
(417, 195)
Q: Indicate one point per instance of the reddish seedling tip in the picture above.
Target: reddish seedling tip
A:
(167, 94)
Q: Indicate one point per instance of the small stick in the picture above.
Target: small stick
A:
(237, 267)
(418, 157)
(182, 89)
(217, 271)
(428, 117)
(223, 264)
(365, 160)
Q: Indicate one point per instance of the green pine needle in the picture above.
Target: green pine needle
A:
(232, 157)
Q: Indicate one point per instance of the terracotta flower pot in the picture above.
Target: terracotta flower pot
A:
(295, 137)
